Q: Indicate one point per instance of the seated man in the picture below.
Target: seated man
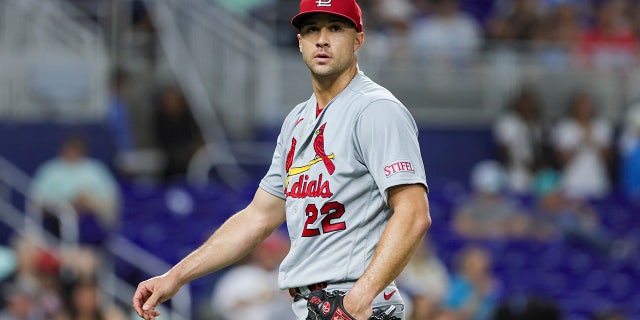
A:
(84, 183)
(489, 214)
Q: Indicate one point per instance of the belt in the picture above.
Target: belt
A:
(312, 287)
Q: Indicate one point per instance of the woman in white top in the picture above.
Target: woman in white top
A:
(520, 136)
(583, 146)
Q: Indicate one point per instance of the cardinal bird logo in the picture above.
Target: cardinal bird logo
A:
(306, 185)
(290, 154)
(318, 146)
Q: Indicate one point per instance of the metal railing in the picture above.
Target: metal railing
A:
(56, 62)
(216, 60)
(232, 60)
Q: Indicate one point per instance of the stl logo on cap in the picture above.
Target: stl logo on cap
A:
(348, 9)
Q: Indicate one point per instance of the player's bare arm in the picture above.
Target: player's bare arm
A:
(233, 240)
(403, 233)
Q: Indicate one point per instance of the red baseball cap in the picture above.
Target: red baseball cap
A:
(347, 9)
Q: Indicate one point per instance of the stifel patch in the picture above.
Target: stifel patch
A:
(398, 166)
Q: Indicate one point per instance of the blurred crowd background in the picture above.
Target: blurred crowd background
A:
(131, 129)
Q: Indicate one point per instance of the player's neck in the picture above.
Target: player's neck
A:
(327, 88)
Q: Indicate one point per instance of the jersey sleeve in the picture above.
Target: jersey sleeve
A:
(387, 143)
(273, 181)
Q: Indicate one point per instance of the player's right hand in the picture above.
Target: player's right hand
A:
(151, 293)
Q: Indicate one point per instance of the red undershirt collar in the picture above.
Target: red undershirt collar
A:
(318, 110)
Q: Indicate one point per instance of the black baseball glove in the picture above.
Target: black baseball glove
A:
(323, 305)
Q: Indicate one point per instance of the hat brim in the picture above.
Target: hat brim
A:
(297, 20)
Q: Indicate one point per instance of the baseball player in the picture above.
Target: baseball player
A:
(346, 176)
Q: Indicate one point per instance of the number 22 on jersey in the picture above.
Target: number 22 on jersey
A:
(329, 216)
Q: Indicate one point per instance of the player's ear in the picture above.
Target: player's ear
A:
(299, 43)
(357, 44)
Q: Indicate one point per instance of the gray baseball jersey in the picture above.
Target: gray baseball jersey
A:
(334, 170)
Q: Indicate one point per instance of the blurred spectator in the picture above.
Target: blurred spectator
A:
(448, 35)
(176, 131)
(80, 263)
(630, 153)
(390, 15)
(558, 36)
(249, 289)
(85, 183)
(19, 302)
(582, 144)
(85, 303)
(571, 219)
(520, 135)
(118, 113)
(38, 271)
(518, 23)
(48, 300)
(46, 271)
(426, 280)
(489, 214)
(568, 22)
(388, 24)
(26, 249)
(611, 42)
(130, 162)
(120, 125)
(145, 33)
(474, 291)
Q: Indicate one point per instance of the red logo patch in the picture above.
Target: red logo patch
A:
(326, 307)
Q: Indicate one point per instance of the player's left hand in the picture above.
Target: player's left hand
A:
(323, 305)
